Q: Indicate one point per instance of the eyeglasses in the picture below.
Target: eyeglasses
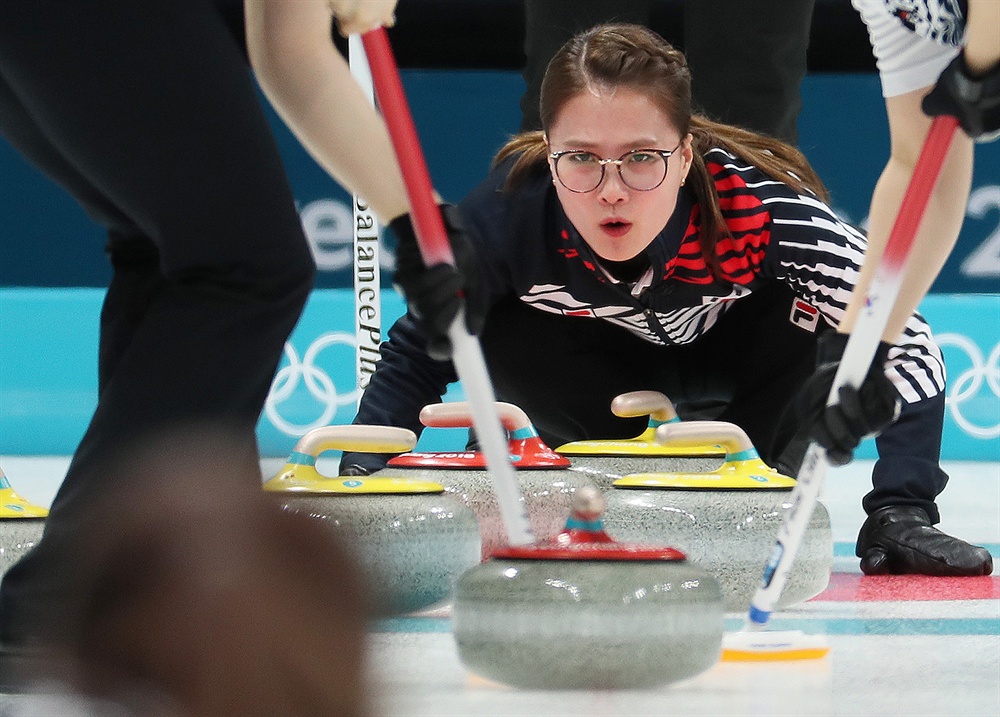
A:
(639, 169)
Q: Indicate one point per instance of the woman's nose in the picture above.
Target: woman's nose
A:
(612, 189)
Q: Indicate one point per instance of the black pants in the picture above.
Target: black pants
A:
(564, 372)
(148, 115)
(747, 57)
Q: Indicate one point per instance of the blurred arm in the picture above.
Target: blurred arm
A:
(942, 220)
(310, 85)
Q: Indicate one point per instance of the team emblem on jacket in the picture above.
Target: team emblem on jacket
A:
(804, 315)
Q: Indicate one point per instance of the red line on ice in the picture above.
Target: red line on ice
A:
(850, 587)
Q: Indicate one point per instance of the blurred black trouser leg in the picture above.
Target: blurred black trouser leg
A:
(747, 59)
(149, 116)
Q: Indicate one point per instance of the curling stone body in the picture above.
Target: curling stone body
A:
(547, 486)
(21, 525)
(605, 461)
(587, 624)
(587, 615)
(414, 545)
(726, 522)
(412, 539)
(728, 532)
(17, 537)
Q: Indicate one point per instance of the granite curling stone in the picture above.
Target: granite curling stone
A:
(726, 520)
(21, 525)
(412, 538)
(546, 484)
(605, 461)
(581, 611)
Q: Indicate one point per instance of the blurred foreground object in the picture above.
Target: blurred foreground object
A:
(205, 598)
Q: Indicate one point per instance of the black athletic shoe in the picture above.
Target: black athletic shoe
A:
(900, 540)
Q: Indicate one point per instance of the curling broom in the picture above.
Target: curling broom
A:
(754, 642)
(435, 249)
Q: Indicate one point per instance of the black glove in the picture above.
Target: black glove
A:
(434, 294)
(900, 540)
(974, 101)
(858, 414)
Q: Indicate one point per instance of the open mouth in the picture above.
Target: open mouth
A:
(616, 227)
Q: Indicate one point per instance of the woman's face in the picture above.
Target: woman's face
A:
(618, 222)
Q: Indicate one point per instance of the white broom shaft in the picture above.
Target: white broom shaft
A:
(367, 269)
(471, 368)
(854, 364)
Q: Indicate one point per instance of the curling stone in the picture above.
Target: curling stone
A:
(546, 485)
(581, 611)
(412, 538)
(21, 525)
(605, 461)
(726, 520)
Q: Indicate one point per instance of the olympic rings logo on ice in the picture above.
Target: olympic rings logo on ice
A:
(316, 380)
(968, 384)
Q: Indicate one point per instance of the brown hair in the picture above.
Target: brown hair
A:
(622, 55)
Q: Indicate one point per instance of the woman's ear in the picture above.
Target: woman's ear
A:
(688, 156)
(548, 159)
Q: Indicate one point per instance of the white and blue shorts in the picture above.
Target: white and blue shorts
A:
(912, 40)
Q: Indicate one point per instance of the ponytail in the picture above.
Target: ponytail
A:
(532, 158)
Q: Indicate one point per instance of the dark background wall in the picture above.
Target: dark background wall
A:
(488, 34)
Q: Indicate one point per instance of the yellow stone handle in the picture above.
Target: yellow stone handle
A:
(300, 474)
(685, 434)
(14, 506)
(458, 414)
(644, 403)
(356, 438)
